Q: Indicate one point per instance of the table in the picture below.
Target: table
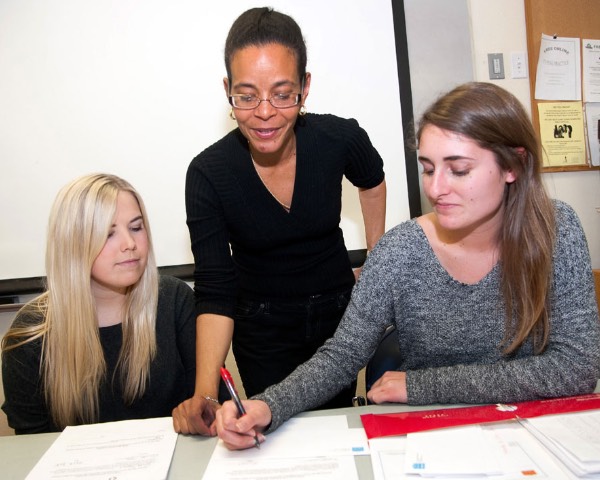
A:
(19, 454)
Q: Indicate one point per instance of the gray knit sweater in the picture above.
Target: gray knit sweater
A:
(450, 332)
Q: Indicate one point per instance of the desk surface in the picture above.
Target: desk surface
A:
(19, 454)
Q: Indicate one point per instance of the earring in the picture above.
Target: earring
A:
(302, 111)
(231, 114)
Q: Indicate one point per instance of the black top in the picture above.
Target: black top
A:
(275, 254)
(172, 372)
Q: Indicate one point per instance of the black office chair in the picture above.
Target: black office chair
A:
(386, 357)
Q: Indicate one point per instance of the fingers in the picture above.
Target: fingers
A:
(238, 433)
(239, 441)
(195, 416)
(391, 387)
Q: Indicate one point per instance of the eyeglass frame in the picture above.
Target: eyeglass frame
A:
(260, 100)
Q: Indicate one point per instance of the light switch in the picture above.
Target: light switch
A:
(518, 61)
(496, 66)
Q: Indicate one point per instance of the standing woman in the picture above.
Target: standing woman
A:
(272, 272)
(109, 340)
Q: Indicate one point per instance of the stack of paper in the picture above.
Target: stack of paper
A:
(401, 423)
(504, 451)
(551, 439)
(574, 438)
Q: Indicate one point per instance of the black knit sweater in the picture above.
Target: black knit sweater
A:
(275, 254)
(172, 373)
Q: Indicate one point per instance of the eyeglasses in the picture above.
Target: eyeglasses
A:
(277, 100)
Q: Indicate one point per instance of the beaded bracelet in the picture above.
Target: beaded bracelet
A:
(211, 399)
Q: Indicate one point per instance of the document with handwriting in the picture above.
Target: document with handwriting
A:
(313, 448)
(127, 450)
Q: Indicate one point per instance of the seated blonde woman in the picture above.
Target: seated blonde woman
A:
(109, 339)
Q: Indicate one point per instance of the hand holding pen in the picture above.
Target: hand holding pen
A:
(226, 376)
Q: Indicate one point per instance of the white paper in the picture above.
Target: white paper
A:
(127, 450)
(573, 437)
(309, 468)
(304, 437)
(592, 121)
(559, 69)
(451, 451)
(387, 457)
(591, 70)
(305, 447)
(521, 456)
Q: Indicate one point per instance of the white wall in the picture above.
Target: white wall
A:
(448, 43)
(439, 51)
(498, 26)
(134, 87)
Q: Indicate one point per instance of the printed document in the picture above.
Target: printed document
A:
(591, 70)
(592, 120)
(312, 448)
(516, 454)
(559, 69)
(562, 134)
(127, 450)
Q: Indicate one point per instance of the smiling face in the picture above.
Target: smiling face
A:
(462, 181)
(124, 256)
(264, 71)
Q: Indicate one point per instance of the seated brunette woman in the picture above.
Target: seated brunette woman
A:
(491, 293)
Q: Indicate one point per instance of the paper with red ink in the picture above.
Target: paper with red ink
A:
(401, 423)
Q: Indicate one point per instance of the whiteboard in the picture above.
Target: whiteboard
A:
(134, 88)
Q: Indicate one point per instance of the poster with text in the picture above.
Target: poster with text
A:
(562, 134)
(591, 70)
(592, 116)
(558, 74)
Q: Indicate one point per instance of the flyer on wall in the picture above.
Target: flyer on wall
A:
(592, 117)
(562, 134)
(558, 74)
(591, 70)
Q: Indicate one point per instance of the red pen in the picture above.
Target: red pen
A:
(226, 376)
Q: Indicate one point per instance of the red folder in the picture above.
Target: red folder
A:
(401, 423)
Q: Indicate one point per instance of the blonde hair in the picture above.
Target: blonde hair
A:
(497, 121)
(72, 360)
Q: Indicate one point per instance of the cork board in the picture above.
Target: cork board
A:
(575, 18)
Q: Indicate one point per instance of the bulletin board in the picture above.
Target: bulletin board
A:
(575, 18)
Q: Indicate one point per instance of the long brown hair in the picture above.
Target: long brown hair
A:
(497, 121)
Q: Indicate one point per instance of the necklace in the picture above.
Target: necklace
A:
(286, 207)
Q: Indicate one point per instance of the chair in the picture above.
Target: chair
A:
(385, 358)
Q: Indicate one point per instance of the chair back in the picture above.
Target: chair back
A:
(385, 358)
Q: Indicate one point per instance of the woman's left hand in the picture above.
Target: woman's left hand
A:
(391, 387)
(195, 416)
